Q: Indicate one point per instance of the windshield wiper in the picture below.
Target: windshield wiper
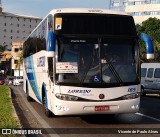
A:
(113, 70)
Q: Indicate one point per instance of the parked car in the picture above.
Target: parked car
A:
(9, 81)
(20, 79)
(2, 81)
(16, 82)
(150, 78)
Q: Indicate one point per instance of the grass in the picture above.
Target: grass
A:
(7, 120)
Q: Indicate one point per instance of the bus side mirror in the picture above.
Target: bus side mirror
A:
(149, 45)
(51, 44)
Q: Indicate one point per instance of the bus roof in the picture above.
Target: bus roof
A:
(86, 10)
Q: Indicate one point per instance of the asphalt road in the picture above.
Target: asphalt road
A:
(31, 115)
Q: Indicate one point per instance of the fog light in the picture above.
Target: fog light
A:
(133, 107)
(65, 108)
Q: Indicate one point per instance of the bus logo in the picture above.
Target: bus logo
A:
(101, 96)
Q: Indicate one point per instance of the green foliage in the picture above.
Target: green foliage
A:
(6, 112)
(151, 27)
(3, 48)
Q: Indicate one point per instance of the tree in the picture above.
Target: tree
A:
(151, 27)
(3, 48)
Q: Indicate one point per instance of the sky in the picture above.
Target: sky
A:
(40, 8)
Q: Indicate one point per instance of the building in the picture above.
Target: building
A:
(141, 10)
(15, 27)
(16, 64)
(118, 4)
(5, 63)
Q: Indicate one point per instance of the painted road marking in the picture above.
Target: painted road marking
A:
(148, 117)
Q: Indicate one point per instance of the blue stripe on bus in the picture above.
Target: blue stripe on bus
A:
(32, 78)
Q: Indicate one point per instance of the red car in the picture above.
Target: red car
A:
(2, 81)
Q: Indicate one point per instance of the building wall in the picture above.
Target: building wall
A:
(141, 10)
(118, 4)
(16, 53)
(15, 27)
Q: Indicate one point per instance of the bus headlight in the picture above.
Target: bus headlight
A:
(66, 97)
(131, 96)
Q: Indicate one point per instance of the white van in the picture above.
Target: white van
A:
(150, 78)
(20, 79)
(16, 82)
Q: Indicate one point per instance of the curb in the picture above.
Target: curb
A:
(14, 111)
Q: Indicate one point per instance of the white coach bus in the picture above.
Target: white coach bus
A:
(84, 61)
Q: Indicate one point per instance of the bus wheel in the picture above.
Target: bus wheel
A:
(142, 91)
(29, 99)
(47, 111)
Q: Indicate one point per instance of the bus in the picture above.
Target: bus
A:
(84, 61)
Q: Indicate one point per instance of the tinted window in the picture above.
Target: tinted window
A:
(157, 73)
(150, 72)
(143, 72)
(96, 24)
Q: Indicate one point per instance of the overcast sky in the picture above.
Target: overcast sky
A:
(40, 8)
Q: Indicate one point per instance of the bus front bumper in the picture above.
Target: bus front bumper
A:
(83, 108)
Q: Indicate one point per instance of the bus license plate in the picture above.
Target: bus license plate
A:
(101, 108)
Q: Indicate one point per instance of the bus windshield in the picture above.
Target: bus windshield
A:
(101, 61)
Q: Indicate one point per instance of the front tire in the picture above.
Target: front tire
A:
(142, 91)
(29, 99)
(48, 113)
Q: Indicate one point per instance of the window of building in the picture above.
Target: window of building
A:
(16, 50)
(30, 26)
(125, 3)
(136, 13)
(115, 4)
(17, 31)
(153, 1)
(153, 13)
(17, 25)
(5, 24)
(15, 61)
(137, 3)
(4, 30)
(17, 19)
(11, 30)
(11, 37)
